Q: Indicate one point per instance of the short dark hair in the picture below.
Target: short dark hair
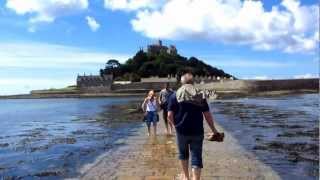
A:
(166, 84)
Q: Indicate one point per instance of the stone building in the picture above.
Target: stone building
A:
(94, 80)
(172, 50)
(155, 49)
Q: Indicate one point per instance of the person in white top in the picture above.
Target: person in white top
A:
(150, 108)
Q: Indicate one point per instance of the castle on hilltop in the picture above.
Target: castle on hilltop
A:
(156, 49)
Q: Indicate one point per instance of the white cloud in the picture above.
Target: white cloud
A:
(289, 26)
(305, 76)
(27, 66)
(29, 54)
(46, 10)
(261, 77)
(25, 85)
(130, 5)
(257, 78)
(92, 23)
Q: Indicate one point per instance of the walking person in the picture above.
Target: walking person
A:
(186, 110)
(163, 101)
(150, 108)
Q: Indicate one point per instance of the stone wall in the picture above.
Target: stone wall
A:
(262, 85)
(197, 79)
(222, 85)
(95, 89)
(94, 80)
(159, 79)
(94, 84)
(141, 86)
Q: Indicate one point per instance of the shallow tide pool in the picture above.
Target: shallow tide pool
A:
(53, 138)
(282, 131)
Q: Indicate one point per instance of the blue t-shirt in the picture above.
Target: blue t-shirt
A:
(188, 117)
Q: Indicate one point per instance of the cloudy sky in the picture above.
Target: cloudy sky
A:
(46, 43)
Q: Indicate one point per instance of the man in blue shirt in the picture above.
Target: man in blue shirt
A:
(186, 110)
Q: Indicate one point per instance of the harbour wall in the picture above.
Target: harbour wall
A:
(141, 86)
(223, 86)
(262, 85)
(242, 86)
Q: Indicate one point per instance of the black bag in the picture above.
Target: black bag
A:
(144, 118)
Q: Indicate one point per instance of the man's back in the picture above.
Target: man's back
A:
(188, 117)
(164, 95)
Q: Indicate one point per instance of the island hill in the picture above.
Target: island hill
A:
(149, 69)
(159, 61)
(159, 64)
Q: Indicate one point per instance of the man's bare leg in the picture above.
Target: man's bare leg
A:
(185, 165)
(165, 118)
(196, 173)
(167, 128)
(170, 128)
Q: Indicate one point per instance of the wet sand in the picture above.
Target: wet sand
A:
(155, 158)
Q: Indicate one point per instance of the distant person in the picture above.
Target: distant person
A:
(150, 108)
(163, 101)
(186, 110)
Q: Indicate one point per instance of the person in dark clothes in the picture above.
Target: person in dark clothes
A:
(186, 109)
(163, 101)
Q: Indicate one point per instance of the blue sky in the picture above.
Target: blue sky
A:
(45, 44)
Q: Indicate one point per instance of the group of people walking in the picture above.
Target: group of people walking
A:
(152, 104)
(185, 110)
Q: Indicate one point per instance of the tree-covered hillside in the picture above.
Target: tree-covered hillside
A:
(162, 65)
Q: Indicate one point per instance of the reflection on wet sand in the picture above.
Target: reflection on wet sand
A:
(142, 157)
(155, 158)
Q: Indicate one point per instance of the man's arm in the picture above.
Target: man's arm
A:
(207, 115)
(160, 97)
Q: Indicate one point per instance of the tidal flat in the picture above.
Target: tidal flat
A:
(282, 130)
(53, 138)
(57, 138)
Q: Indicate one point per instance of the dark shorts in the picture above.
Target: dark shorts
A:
(192, 143)
(152, 117)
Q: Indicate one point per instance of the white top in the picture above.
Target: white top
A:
(151, 105)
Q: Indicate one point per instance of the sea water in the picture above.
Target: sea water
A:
(53, 138)
(282, 131)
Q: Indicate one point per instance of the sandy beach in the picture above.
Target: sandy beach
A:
(155, 158)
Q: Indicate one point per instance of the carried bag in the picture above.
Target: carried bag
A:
(219, 137)
(144, 118)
